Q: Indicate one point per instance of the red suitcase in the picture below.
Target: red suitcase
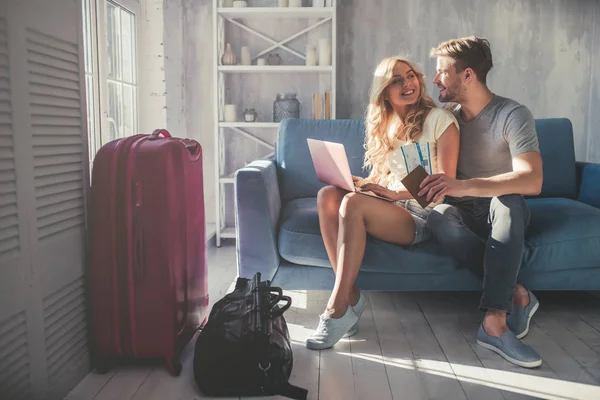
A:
(148, 277)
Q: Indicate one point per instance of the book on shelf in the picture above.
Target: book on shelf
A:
(321, 105)
(317, 106)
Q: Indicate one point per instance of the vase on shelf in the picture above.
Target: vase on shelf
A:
(230, 113)
(228, 57)
(286, 106)
(240, 4)
(295, 3)
(274, 59)
(250, 115)
(311, 55)
(324, 52)
(245, 56)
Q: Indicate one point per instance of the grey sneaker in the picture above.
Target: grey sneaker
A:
(518, 320)
(509, 347)
(331, 330)
(358, 309)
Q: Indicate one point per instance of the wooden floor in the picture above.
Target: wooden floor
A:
(410, 346)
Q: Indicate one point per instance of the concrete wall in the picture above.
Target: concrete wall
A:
(174, 67)
(546, 53)
(152, 98)
(198, 77)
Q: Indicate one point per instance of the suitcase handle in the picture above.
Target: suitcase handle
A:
(154, 135)
(139, 261)
(194, 148)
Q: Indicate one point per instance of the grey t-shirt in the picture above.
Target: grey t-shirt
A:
(502, 130)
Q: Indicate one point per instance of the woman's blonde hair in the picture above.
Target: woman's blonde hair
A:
(378, 143)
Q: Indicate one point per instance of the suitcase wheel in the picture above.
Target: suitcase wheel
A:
(174, 366)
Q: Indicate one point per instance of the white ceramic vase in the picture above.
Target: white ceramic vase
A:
(228, 57)
(245, 57)
(324, 52)
(311, 55)
(230, 113)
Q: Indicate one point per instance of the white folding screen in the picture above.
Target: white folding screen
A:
(43, 187)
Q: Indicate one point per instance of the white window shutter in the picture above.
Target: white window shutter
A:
(43, 187)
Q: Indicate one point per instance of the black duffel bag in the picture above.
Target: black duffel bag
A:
(244, 349)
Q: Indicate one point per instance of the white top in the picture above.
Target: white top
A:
(436, 123)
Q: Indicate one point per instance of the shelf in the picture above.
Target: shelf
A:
(249, 124)
(273, 68)
(228, 232)
(227, 179)
(318, 21)
(211, 231)
(276, 12)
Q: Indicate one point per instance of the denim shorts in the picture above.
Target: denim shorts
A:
(419, 214)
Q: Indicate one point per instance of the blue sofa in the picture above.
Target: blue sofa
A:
(278, 229)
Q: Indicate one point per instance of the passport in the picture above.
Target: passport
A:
(412, 181)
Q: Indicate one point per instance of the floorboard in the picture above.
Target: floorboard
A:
(474, 378)
(90, 386)
(301, 322)
(406, 381)
(368, 369)
(336, 377)
(440, 381)
(409, 346)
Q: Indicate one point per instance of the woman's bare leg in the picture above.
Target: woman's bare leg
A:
(359, 215)
(329, 200)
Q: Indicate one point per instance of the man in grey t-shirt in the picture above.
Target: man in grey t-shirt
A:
(483, 219)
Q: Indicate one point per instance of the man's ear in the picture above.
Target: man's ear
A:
(469, 75)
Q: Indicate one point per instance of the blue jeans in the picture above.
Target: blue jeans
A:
(486, 235)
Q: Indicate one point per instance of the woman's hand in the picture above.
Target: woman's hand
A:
(358, 181)
(380, 191)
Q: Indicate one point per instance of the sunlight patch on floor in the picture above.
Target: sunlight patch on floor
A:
(299, 298)
(531, 385)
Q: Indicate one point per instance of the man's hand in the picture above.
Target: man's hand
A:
(436, 186)
(380, 191)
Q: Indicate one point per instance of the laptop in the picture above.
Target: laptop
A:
(331, 165)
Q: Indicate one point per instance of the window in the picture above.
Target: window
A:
(110, 30)
(90, 81)
(121, 72)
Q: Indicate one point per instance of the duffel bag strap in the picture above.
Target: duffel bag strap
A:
(293, 392)
(287, 389)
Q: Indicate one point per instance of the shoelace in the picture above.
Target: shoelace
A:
(323, 324)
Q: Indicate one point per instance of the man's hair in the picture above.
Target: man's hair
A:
(468, 52)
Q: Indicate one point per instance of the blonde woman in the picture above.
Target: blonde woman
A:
(399, 112)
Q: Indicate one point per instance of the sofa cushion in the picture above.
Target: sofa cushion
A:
(563, 234)
(300, 242)
(555, 136)
(296, 171)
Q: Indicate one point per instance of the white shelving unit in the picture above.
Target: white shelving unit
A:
(316, 18)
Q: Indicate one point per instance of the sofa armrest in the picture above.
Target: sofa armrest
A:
(588, 178)
(257, 208)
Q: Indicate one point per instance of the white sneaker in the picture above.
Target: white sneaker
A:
(331, 330)
(358, 309)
